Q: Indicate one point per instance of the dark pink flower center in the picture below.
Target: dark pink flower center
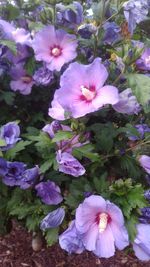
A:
(102, 219)
(56, 51)
(88, 93)
(26, 79)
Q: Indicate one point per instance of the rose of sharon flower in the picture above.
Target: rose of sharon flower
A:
(143, 63)
(68, 164)
(49, 192)
(16, 174)
(10, 133)
(82, 89)
(145, 163)
(70, 240)
(53, 219)
(127, 103)
(21, 81)
(54, 47)
(141, 245)
(101, 225)
(142, 129)
(43, 76)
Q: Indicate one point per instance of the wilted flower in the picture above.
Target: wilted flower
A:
(86, 30)
(43, 76)
(21, 82)
(143, 63)
(145, 214)
(135, 11)
(10, 133)
(52, 128)
(101, 225)
(69, 17)
(18, 35)
(68, 164)
(54, 47)
(82, 89)
(70, 240)
(16, 174)
(53, 219)
(145, 163)
(112, 33)
(127, 103)
(141, 245)
(49, 192)
(142, 129)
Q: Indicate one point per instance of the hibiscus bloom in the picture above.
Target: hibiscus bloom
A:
(101, 225)
(145, 163)
(141, 245)
(82, 91)
(55, 47)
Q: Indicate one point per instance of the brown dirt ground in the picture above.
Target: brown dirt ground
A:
(16, 251)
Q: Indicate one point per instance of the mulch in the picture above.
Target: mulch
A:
(16, 251)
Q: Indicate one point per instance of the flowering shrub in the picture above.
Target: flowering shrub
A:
(75, 134)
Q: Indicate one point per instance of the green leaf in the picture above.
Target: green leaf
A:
(10, 44)
(62, 135)
(12, 153)
(46, 165)
(30, 66)
(51, 236)
(131, 227)
(140, 85)
(2, 142)
(86, 151)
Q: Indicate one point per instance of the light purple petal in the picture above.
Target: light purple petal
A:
(106, 95)
(53, 219)
(145, 163)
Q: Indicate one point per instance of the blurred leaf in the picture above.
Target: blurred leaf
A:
(51, 236)
(10, 44)
(12, 153)
(62, 135)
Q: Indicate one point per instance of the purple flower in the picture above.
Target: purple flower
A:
(142, 129)
(43, 76)
(3, 167)
(52, 128)
(18, 35)
(69, 17)
(54, 47)
(86, 30)
(141, 245)
(68, 164)
(112, 33)
(29, 178)
(56, 111)
(145, 215)
(135, 11)
(82, 89)
(101, 225)
(70, 240)
(53, 219)
(21, 82)
(127, 103)
(22, 54)
(49, 192)
(147, 194)
(143, 63)
(16, 174)
(10, 133)
(145, 163)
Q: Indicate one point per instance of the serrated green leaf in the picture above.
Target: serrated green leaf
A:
(62, 135)
(131, 227)
(140, 85)
(46, 165)
(51, 236)
(2, 142)
(12, 153)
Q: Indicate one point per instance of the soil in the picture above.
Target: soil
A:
(16, 251)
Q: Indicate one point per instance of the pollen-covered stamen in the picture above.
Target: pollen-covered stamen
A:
(87, 93)
(147, 60)
(26, 79)
(103, 221)
(56, 51)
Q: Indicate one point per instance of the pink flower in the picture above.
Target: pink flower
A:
(82, 91)
(101, 225)
(55, 47)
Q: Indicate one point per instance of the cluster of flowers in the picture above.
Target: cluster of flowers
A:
(99, 224)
